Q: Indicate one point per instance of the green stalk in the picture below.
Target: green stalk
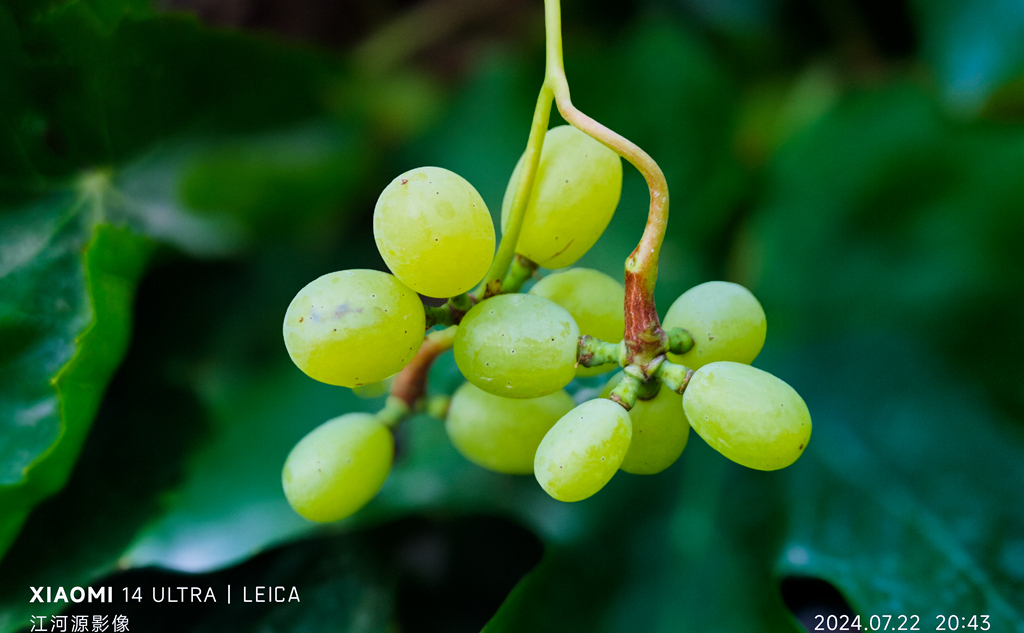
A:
(644, 337)
(531, 159)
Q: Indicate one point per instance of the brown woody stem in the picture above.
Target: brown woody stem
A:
(411, 383)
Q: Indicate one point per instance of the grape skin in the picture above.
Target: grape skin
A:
(660, 431)
(583, 451)
(748, 415)
(725, 320)
(595, 302)
(574, 195)
(434, 232)
(517, 346)
(338, 467)
(502, 434)
(374, 389)
(353, 327)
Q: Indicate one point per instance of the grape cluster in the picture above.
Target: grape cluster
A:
(518, 351)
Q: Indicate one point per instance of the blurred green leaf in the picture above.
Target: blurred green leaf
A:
(904, 500)
(975, 46)
(884, 214)
(67, 281)
(82, 91)
(88, 88)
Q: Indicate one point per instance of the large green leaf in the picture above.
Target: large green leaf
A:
(67, 283)
(88, 88)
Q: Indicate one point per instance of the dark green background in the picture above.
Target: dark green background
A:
(170, 176)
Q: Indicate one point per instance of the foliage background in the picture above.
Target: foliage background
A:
(170, 175)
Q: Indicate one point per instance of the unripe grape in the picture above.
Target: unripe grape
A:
(434, 232)
(574, 195)
(374, 389)
(748, 415)
(353, 327)
(517, 346)
(338, 467)
(502, 434)
(725, 321)
(595, 302)
(582, 452)
(660, 431)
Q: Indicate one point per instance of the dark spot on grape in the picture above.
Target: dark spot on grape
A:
(566, 181)
(301, 319)
(405, 181)
(335, 329)
(602, 458)
(344, 309)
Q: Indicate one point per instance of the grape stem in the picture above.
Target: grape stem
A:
(450, 313)
(675, 377)
(493, 281)
(521, 271)
(680, 341)
(593, 352)
(626, 392)
(410, 384)
(644, 338)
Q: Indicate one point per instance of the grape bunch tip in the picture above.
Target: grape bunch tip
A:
(369, 330)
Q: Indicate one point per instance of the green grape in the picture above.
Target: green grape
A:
(353, 327)
(374, 389)
(574, 195)
(725, 320)
(502, 434)
(434, 232)
(517, 346)
(595, 302)
(338, 467)
(582, 452)
(660, 431)
(747, 414)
